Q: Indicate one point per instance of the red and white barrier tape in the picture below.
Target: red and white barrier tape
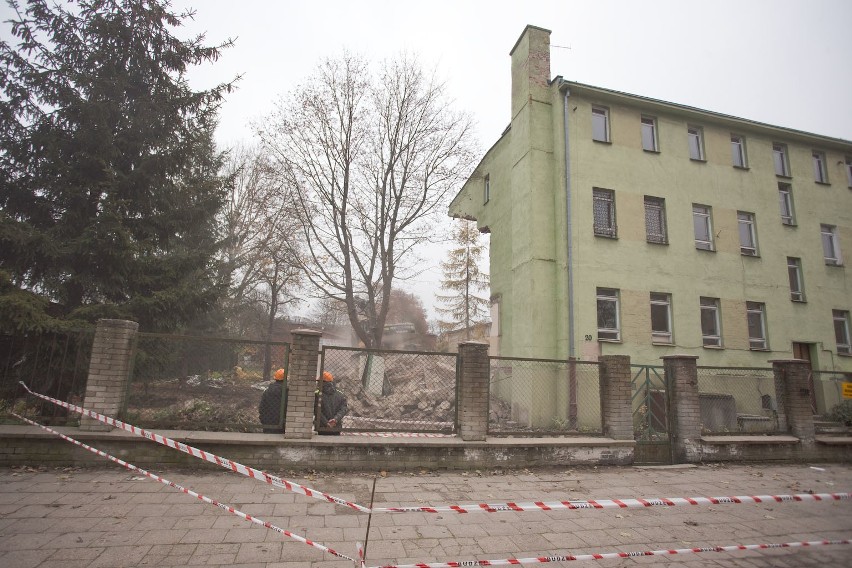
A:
(615, 503)
(470, 508)
(173, 485)
(609, 555)
(206, 456)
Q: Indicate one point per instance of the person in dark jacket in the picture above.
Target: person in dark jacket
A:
(273, 413)
(332, 407)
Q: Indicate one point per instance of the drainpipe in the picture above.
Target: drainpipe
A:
(569, 253)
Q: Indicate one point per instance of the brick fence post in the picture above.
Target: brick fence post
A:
(301, 383)
(682, 407)
(615, 389)
(109, 370)
(794, 397)
(473, 390)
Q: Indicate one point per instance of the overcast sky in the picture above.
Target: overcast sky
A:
(783, 62)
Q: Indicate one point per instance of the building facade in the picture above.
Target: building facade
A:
(626, 225)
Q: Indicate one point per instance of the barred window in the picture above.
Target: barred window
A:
(655, 220)
(604, 212)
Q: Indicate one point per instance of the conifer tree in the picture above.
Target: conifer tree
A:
(109, 182)
(463, 281)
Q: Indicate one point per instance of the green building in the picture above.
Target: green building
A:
(626, 225)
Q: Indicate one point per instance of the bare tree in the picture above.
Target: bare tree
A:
(463, 280)
(262, 239)
(374, 157)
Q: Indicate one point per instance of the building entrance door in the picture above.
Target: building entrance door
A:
(803, 351)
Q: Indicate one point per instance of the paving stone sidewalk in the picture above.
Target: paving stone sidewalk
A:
(117, 518)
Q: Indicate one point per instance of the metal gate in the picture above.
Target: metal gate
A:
(650, 415)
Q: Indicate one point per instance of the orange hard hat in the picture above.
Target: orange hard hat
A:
(326, 376)
(279, 375)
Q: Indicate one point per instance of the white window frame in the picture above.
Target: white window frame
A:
(841, 331)
(656, 206)
(487, 189)
(610, 296)
(705, 214)
(794, 275)
(600, 111)
(607, 197)
(781, 159)
(695, 141)
(785, 199)
(830, 245)
(662, 300)
(848, 166)
(820, 170)
(649, 134)
(756, 310)
(745, 222)
(738, 151)
(710, 307)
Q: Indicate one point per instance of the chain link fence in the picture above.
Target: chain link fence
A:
(648, 403)
(395, 391)
(833, 412)
(55, 364)
(542, 397)
(739, 400)
(203, 383)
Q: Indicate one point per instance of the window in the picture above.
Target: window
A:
(756, 314)
(604, 211)
(661, 317)
(608, 322)
(655, 220)
(649, 134)
(703, 226)
(738, 151)
(848, 167)
(794, 273)
(820, 173)
(696, 142)
(710, 327)
(487, 189)
(782, 163)
(600, 124)
(841, 331)
(785, 196)
(748, 238)
(830, 245)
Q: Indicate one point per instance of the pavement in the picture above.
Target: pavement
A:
(114, 517)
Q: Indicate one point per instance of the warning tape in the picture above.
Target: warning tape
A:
(471, 508)
(206, 456)
(608, 555)
(173, 485)
(615, 503)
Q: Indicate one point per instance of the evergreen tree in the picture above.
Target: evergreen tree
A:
(109, 182)
(463, 280)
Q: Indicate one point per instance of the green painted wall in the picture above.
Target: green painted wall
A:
(528, 220)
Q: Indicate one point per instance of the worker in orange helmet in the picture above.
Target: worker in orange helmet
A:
(273, 404)
(332, 408)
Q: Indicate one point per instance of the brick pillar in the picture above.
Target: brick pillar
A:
(682, 407)
(794, 397)
(302, 383)
(473, 390)
(109, 370)
(615, 388)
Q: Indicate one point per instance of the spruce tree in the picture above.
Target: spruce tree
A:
(463, 280)
(109, 182)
